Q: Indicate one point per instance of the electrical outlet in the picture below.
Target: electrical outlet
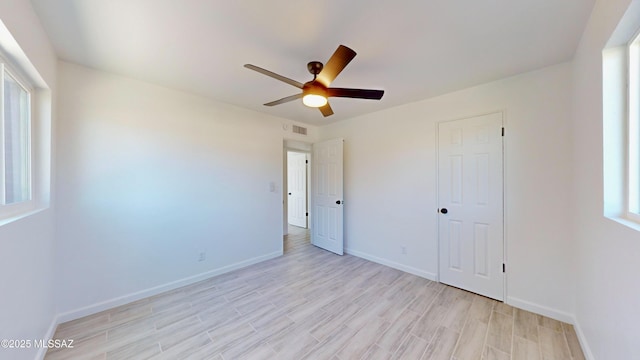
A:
(403, 249)
(202, 256)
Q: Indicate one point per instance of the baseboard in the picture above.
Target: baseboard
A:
(392, 264)
(540, 309)
(586, 350)
(558, 315)
(125, 299)
(49, 335)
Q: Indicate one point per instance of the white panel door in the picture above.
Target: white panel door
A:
(470, 196)
(326, 198)
(297, 188)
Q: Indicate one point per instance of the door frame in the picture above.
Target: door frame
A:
(300, 147)
(503, 112)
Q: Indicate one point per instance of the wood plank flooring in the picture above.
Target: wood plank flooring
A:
(312, 304)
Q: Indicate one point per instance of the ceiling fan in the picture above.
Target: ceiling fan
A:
(315, 92)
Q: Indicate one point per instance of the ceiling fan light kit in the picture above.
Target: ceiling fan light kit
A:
(314, 101)
(315, 93)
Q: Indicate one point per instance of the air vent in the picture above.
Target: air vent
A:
(299, 130)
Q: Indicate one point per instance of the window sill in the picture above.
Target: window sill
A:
(626, 222)
(16, 217)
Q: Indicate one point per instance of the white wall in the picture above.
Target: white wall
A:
(608, 253)
(27, 309)
(390, 183)
(148, 178)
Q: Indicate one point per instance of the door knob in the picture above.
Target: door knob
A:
(444, 210)
(338, 202)
(289, 193)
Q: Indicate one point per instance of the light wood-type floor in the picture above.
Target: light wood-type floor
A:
(312, 304)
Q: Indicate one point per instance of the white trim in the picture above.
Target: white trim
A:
(392, 264)
(3, 194)
(586, 350)
(436, 134)
(13, 55)
(635, 225)
(21, 215)
(633, 132)
(505, 243)
(634, 217)
(17, 76)
(48, 335)
(541, 309)
(125, 299)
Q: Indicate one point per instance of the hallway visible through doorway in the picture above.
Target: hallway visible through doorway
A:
(296, 238)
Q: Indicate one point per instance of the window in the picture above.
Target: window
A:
(621, 120)
(25, 134)
(633, 140)
(15, 142)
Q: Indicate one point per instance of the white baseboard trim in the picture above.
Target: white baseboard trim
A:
(540, 309)
(49, 335)
(392, 264)
(558, 315)
(586, 350)
(125, 299)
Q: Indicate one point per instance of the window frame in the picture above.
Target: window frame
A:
(632, 193)
(620, 118)
(17, 208)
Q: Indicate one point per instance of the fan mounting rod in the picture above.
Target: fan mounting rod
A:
(314, 68)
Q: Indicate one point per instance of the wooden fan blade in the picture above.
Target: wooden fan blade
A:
(297, 84)
(284, 100)
(335, 65)
(356, 93)
(326, 110)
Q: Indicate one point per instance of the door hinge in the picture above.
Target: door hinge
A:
(306, 161)
(504, 268)
(502, 131)
(306, 214)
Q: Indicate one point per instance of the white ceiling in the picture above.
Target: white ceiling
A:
(412, 49)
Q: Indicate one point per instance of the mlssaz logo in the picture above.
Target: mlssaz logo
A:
(54, 343)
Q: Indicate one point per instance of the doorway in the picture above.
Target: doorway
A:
(324, 191)
(296, 238)
(297, 189)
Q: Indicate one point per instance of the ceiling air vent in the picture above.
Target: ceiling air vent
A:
(299, 130)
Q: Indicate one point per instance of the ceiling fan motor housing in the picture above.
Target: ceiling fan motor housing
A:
(315, 88)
